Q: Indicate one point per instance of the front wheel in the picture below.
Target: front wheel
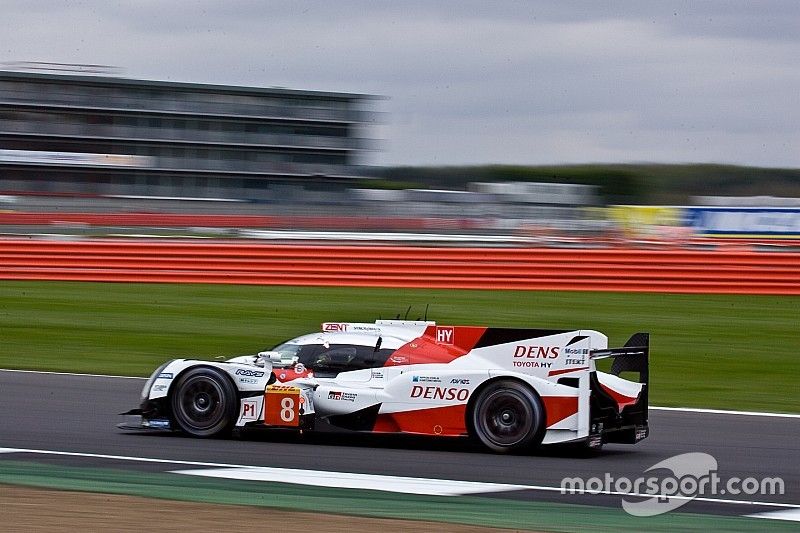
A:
(204, 403)
(507, 417)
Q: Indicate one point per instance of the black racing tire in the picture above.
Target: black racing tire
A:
(203, 403)
(507, 417)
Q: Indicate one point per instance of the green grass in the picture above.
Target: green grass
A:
(734, 352)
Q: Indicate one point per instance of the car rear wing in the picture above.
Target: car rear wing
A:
(613, 422)
(633, 357)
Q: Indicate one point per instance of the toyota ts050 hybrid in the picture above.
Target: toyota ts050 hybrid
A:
(511, 389)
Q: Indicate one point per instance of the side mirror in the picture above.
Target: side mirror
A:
(278, 359)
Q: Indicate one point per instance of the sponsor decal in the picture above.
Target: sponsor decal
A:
(532, 364)
(299, 368)
(426, 379)
(334, 326)
(399, 359)
(282, 388)
(440, 393)
(159, 388)
(365, 328)
(536, 352)
(377, 374)
(342, 396)
(156, 423)
(445, 334)
(165, 375)
(249, 373)
(575, 356)
(251, 381)
(460, 381)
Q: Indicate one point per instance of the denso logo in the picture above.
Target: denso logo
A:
(333, 326)
(439, 393)
(536, 352)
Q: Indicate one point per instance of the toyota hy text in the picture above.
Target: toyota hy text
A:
(510, 389)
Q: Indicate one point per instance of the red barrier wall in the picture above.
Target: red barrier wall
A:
(629, 270)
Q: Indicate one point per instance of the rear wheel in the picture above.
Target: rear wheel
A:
(508, 416)
(204, 403)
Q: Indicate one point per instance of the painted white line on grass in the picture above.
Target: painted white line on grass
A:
(653, 407)
(792, 515)
(311, 477)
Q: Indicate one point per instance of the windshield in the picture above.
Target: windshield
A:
(287, 350)
(327, 360)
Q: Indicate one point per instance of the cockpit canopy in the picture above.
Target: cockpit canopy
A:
(328, 355)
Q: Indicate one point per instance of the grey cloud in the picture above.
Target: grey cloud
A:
(469, 81)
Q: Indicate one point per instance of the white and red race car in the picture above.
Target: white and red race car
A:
(511, 389)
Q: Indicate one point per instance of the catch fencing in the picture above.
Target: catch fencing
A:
(628, 270)
(185, 220)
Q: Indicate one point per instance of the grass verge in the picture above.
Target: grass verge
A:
(717, 351)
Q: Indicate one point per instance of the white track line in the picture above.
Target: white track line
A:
(724, 412)
(348, 480)
(792, 515)
(68, 374)
(310, 477)
(653, 407)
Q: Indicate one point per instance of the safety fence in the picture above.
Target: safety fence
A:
(183, 220)
(421, 229)
(629, 270)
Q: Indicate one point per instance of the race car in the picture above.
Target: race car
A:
(511, 389)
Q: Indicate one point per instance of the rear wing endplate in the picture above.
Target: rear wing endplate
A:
(633, 357)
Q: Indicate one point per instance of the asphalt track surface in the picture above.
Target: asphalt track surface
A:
(73, 413)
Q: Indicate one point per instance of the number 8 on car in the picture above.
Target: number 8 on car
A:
(282, 406)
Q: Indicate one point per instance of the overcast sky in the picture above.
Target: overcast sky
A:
(468, 82)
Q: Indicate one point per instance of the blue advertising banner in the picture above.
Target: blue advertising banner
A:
(769, 222)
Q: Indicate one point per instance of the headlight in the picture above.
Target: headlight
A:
(149, 383)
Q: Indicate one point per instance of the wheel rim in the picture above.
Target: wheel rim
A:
(202, 403)
(505, 417)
